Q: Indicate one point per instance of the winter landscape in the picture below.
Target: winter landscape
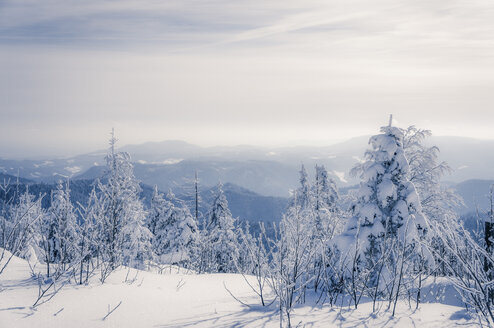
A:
(246, 164)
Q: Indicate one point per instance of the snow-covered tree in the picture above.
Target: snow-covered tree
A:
(176, 239)
(125, 236)
(219, 245)
(20, 226)
(303, 196)
(387, 216)
(245, 262)
(439, 203)
(327, 214)
(49, 241)
(136, 236)
(90, 233)
(327, 221)
(254, 251)
(160, 213)
(61, 211)
(159, 207)
(291, 270)
(197, 197)
(6, 202)
(468, 264)
(26, 217)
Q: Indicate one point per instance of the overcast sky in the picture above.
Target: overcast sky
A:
(239, 72)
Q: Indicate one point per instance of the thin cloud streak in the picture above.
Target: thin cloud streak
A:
(276, 71)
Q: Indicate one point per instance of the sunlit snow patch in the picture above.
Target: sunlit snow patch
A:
(73, 169)
(171, 161)
(340, 175)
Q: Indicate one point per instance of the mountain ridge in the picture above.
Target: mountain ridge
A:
(268, 171)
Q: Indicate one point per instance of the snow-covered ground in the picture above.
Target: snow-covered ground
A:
(175, 298)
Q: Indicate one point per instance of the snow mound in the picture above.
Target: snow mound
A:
(179, 298)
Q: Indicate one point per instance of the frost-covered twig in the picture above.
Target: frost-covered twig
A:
(110, 312)
(234, 297)
(180, 284)
(55, 314)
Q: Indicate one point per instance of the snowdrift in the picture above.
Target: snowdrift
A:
(178, 298)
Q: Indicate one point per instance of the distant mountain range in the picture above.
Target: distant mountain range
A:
(248, 205)
(475, 194)
(243, 203)
(257, 180)
(265, 171)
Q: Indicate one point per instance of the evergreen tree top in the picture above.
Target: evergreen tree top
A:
(388, 202)
(219, 214)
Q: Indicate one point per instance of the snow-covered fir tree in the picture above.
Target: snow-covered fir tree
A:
(388, 222)
(90, 232)
(303, 203)
(303, 195)
(158, 208)
(325, 193)
(59, 229)
(219, 246)
(245, 260)
(49, 241)
(6, 202)
(136, 236)
(388, 201)
(176, 239)
(62, 214)
(161, 211)
(26, 217)
(326, 221)
(125, 235)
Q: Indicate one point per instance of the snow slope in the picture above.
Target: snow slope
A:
(176, 298)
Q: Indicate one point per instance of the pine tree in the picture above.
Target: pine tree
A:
(125, 237)
(66, 235)
(90, 232)
(136, 236)
(158, 209)
(326, 204)
(49, 240)
(388, 201)
(388, 222)
(176, 234)
(161, 212)
(26, 217)
(220, 245)
(327, 221)
(96, 209)
(303, 196)
(6, 203)
(197, 197)
(245, 260)
(59, 229)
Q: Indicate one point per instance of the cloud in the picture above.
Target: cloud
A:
(245, 71)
